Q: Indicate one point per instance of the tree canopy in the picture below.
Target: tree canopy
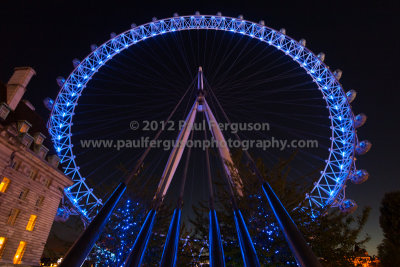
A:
(332, 235)
(389, 249)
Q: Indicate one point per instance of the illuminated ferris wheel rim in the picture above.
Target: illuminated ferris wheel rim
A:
(328, 190)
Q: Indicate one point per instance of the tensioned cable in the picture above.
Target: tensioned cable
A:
(173, 59)
(273, 155)
(227, 55)
(184, 176)
(237, 136)
(250, 80)
(209, 179)
(242, 54)
(153, 70)
(183, 51)
(141, 159)
(239, 102)
(103, 126)
(260, 57)
(123, 68)
(226, 176)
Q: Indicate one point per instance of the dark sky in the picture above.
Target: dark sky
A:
(359, 38)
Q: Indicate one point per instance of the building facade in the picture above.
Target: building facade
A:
(31, 181)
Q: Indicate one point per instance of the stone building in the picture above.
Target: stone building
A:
(31, 182)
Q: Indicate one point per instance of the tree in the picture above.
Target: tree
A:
(389, 250)
(115, 242)
(332, 235)
(335, 235)
(121, 231)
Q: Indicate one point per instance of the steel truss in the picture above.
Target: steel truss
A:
(327, 191)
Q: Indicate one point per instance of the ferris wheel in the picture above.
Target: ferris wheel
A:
(328, 190)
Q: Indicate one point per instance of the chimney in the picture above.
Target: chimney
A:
(53, 160)
(16, 86)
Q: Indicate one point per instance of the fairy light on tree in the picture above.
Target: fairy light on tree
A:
(119, 235)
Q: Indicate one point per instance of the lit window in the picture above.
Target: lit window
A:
(39, 201)
(4, 184)
(3, 241)
(20, 252)
(12, 217)
(31, 223)
(23, 126)
(23, 194)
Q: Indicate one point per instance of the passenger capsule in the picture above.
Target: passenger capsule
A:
(153, 19)
(60, 81)
(302, 42)
(348, 206)
(76, 62)
(359, 177)
(283, 31)
(262, 22)
(351, 95)
(240, 17)
(62, 215)
(133, 25)
(197, 13)
(338, 74)
(321, 56)
(93, 47)
(360, 120)
(176, 14)
(363, 147)
(219, 14)
(48, 103)
(112, 35)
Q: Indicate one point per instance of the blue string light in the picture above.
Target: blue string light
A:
(328, 190)
(114, 245)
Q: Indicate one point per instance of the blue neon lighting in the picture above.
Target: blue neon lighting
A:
(175, 222)
(343, 130)
(214, 225)
(244, 237)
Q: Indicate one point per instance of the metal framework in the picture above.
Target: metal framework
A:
(328, 190)
(216, 254)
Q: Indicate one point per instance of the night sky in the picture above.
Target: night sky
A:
(359, 38)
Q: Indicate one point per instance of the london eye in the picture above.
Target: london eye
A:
(159, 79)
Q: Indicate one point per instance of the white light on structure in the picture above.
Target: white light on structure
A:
(343, 132)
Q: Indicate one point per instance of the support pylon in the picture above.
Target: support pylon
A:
(138, 250)
(168, 258)
(216, 256)
(77, 254)
(234, 180)
(233, 176)
(176, 155)
(249, 254)
(139, 247)
(302, 252)
(170, 251)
